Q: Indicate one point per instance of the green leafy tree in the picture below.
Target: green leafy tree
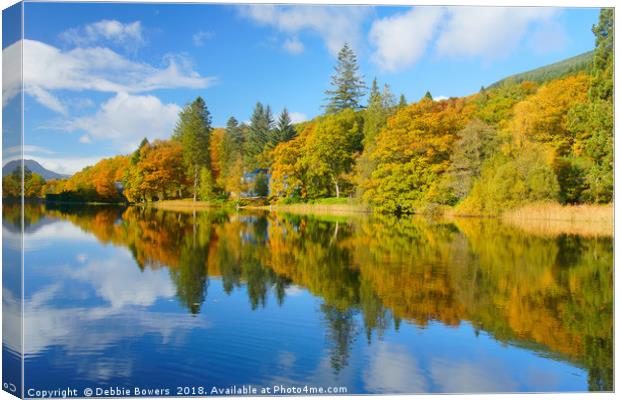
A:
(476, 143)
(603, 68)
(207, 189)
(510, 180)
(592, 123)
(348, 86)
(193, 131)
(329, 152)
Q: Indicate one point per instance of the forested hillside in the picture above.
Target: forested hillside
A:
(570, 66)
(532, 138)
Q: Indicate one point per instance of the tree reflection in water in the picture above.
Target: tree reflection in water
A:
(546, 292)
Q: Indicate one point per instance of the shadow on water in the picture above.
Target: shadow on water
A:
(551, 294)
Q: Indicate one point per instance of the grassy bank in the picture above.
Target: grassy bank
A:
(539, 218)
(553, 219)
(329, 206)
(184, 205)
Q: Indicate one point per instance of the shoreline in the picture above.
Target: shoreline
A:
(546, 218)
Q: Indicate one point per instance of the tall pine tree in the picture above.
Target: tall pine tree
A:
(234, 131)
(193, 131)
(380, 106)
(258, 135)
(402, 102)
(284, 130)
(600, 146)
(348, 86)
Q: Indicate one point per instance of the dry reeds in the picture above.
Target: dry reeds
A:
(554, 219)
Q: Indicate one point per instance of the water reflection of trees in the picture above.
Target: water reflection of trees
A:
(541, 292)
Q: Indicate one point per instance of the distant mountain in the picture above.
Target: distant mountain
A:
(33, 166)
(570, 66)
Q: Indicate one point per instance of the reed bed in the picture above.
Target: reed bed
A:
(554, 219)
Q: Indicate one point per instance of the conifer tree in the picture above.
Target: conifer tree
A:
(284, 130)
(135, 156)
(193, 131)
(387, 98)
(402, 102)
(234, 131)
(376, 113)
(428, 95)
(348, 86)
(380, 107)
(258, 135)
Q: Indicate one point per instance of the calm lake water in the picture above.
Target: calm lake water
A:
(141, 297)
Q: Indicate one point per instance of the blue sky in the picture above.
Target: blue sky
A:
(99, 77)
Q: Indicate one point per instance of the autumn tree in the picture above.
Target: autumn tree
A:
(543, 116)
(12, 184)
(412, 152)
(162, 167)
(192, 132)
(348, 86)
(288, 170)
(33, 184)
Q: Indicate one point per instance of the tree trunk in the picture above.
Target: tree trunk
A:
(337, 187)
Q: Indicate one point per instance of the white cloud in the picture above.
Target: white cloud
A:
(11, 72)
(50, 235)
(488, 32)
(293, 46)
(392, 370)
(47, 69)
(130, 34)
(479, 376)
(121, 286)
(84, 139)
(334, 24)
(440, 98)
(200, 37)
(126, 119)
(27, 149)
(297, 117)
(401, 40)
